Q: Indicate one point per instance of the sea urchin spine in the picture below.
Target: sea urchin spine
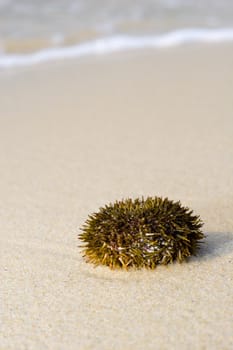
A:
(141, 233)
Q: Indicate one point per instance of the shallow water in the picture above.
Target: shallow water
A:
(27, 26)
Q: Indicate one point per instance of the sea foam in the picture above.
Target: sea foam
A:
(119, 43)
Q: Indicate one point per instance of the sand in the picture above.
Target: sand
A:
(77, 134)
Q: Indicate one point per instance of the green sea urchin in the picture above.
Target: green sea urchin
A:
(141, 233)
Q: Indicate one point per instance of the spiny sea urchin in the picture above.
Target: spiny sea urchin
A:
(141, 233)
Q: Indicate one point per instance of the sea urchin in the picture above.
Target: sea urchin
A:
(141, 233)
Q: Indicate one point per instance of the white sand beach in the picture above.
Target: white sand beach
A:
(77, 134)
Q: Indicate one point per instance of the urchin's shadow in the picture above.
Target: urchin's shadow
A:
(216, 244)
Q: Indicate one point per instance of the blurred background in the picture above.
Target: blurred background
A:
(28, 26)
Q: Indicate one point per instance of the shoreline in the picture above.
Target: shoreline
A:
(117, 44)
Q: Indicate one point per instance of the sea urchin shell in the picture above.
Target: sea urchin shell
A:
(141, 233)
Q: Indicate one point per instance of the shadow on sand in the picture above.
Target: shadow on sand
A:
(216, 244)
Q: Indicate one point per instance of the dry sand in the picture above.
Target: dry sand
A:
(76, 135)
